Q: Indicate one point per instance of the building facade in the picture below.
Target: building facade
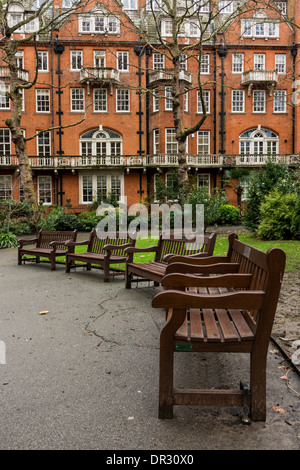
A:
(103, 100)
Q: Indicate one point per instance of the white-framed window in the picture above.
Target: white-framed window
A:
(259, 101)
(171, 180)
(168, 98)
(158, 61)
(100, 142)
(206, 96)
(226, 6)
(259, 61)
(4, 99)
(20, 59)
(43, 100)
(258, 28)
(155, 99)
(32, 25)
(42, 60)
(183, 62)
(45, 189)
(5, 187)
(153, 5)
(258, 141)
(237, 62)
(203, 142)
(130, 4)
(238, 101)
(99, 59)
(76, 60)
(99, 185)
(123, 100)
(193, 28)
(122, 61)
(279, 101)
(205, 64)
(166, 28)
(99, 24)
(5, 148)
(203, 182)
(77, 99)
(100, 100)
(156, 141)
(171, 143)
(44, 144)
(280, 63)
(203, 5)
(186, 101)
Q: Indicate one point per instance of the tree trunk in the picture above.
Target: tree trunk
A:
(14, 124)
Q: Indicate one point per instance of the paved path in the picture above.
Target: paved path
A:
(85, 375)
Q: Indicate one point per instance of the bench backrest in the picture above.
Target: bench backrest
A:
(267, 271)
(97, 244)
(184, 246)
(45, 237)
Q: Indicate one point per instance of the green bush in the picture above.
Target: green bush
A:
(8, 240)
(229, 214)
(277, 215)
(88, 220)
(58, 220)
(274, 175)
(212, 203)
(18, 227)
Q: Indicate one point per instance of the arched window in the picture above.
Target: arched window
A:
(259, 142)
(100, 142)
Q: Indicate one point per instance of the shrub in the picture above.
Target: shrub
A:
(88, 220)
(58, 220)
(277, 215)
(212, 203)
(274, 175)
(18, 227)
(8, 240)
(229, 214)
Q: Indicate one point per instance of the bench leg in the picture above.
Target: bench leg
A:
(19, 257)
(258, 388)
(128, 278)
(166, 368)
(52, 263)
(88, 266)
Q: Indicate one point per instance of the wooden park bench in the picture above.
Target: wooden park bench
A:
(164, 252)
(48, 244)
(225, 306)
(100, 252)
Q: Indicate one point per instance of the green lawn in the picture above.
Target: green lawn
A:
(291, 248)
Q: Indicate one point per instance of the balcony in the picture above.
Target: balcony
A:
(75, 162)
(261, 78)
(100, 76)
(5, 74)
(167, 74)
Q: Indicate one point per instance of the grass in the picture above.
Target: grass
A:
(290, 247)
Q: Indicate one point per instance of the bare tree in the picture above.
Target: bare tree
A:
(18, 26)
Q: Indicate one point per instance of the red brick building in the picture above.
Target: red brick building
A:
(122, 140)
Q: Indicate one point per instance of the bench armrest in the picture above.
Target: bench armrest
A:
(71, 243)
(197, 259)
(110, 248)
(171, 258)
(224, 280)
(134, 249)
(218, 268)
(177, 299)
(27, 241)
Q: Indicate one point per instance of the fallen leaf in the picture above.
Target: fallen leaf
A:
(44, 312)
(278, 409)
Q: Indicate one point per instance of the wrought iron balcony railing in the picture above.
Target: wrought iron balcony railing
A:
(148, 161)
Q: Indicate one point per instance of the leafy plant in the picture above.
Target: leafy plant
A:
(8, 240)
(277, 215)
(229, 214)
